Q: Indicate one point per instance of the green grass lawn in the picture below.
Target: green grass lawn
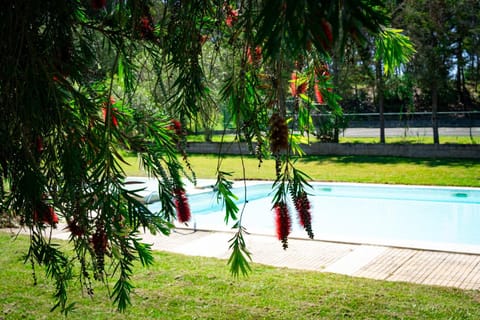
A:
(181, 287)
(361, 169)
(313, 139)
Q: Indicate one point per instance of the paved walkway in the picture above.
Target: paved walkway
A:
(375, 262)
(411, 132)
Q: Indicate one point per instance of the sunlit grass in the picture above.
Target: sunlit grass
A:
(182, 287)
(396, 140)
(361, 169)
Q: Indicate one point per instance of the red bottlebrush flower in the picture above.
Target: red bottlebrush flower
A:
(52, 216)
(318, 94)
(278, 133)
(74, 228)
(176, 126)
(100, 241)
(258, 52)
(293, 84)
(283, 222)
(45, 214)
(302, 205)
(98, 4)
(254, 57)
(249, 56)
(182, 206)
(297, 87)
(232, 16)
(39, 144)
(112, 116)
(113, 111)
(145, 22)
(321, 72)
(146, 27)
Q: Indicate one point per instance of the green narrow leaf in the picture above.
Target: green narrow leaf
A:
(240, 256)
(223, 188)
(120, 69)
(393, 48)
(144, 252)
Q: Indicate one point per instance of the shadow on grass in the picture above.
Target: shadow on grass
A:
(431, 162)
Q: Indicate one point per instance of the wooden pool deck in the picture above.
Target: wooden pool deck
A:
(375, 262)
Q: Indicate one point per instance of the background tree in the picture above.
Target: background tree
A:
(464, 35)
(431, 19)
(409, 88)
(392, 50)
(441, 32)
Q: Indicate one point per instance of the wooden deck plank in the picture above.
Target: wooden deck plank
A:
(384, 266)
(419, 267)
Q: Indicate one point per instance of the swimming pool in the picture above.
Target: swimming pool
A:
(437, 218)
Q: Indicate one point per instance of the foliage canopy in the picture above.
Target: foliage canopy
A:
(70, 75)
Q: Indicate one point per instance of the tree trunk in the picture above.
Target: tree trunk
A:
(436, 138)
(477, 74)
(460, 78)
(336, 120)
(336, 131)
(380, 99)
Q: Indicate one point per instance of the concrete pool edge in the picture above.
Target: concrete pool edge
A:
(240, 183)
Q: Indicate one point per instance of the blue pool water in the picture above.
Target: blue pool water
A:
(420, 217)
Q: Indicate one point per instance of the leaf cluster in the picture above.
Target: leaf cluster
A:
(71, 71)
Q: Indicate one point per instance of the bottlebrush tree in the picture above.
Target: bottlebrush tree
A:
(69, 74)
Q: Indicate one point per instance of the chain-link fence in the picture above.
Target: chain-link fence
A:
(462, 119)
